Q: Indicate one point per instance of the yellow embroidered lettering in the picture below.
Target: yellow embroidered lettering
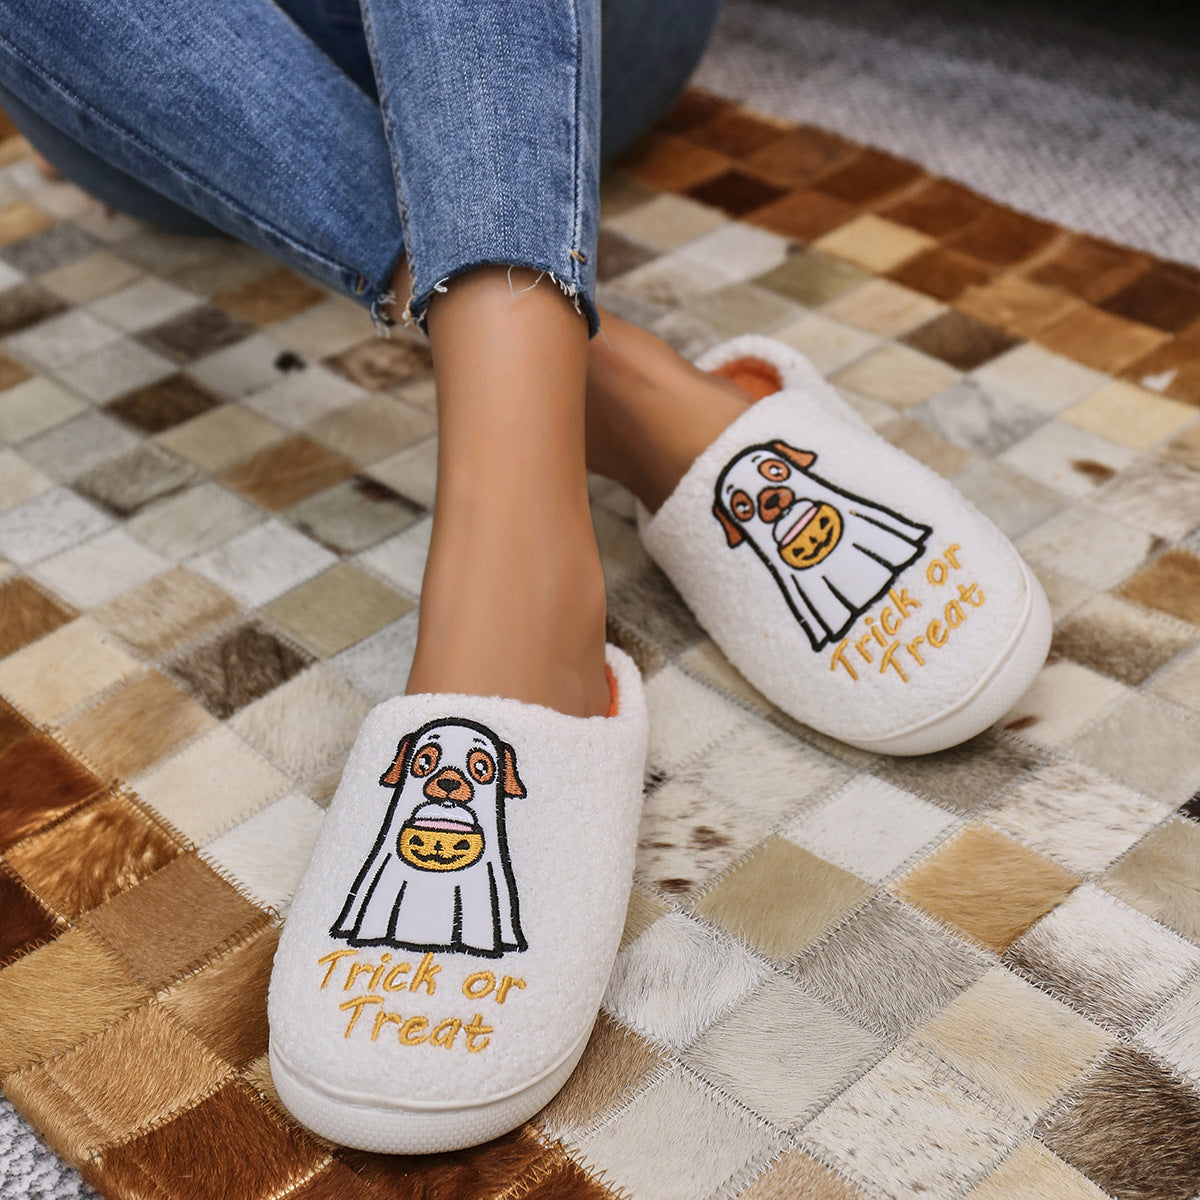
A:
(384, 1018)
(936, 634)
(887, 619)
(903, 601)
(425, 975)
(954, 614)
(333, 958)
(508, 982)
(950, 556)
(936, 572)
(445, 1032)
(481, 984)
(970, 594)
(357, 969)
(860, 647)
(889, 660)
(389, 980)
(357, 1004)
(409, 1030)
(379, 970)
(477, 1029)
(875, 633)
(912, 649)
(839, 657)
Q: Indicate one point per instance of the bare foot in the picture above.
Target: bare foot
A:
(650, 412)
(512, 602)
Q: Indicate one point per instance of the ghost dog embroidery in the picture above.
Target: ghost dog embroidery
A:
(438, 877)
(833, 554)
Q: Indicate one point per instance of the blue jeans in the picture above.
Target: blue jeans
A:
(458, 132)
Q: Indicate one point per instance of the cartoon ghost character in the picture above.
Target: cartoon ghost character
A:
(439, 876)
(832, 554)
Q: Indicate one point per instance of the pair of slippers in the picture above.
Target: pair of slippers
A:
(449, 944)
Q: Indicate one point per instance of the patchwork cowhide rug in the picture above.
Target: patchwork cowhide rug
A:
(975, 974)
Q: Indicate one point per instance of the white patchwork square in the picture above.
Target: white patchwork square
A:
(47, 525)
(96, 571)
(828, 344)
(1077, 815)
(912, 1130)
(1062, 699)
(685, 719)
(1071, 460)
(677, 1141)
(412, 471)
(193, 521)
(238, 369)
(1035, 376)
(74, 447)
(871, 828)
(302, 396)
(62, 340)
(117, 368)
(1174, 1031)
(19, 481)
(267, 853)
(1084, 543)
(264, 562)
(677, 977)
(401, 559)
(378, 666)
(148, 302)
(736, 251)
(34, 406)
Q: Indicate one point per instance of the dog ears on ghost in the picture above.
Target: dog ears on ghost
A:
(800, 459)
(480, 764)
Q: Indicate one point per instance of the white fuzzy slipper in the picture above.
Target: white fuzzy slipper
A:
(852, 586)
(448, 946)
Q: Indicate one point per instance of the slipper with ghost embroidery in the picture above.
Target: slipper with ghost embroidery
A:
(448, 946)
(855, 588)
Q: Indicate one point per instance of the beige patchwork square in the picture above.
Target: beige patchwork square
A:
(211, 785)
(1015, 1041)
(1036, 376)
(327, 328)
(221, 437)
(1062, 699)
(874, 243)
(667, 221)
(883, 308)
(55, 674)
(1161, 877)
(1130, 415)
(781, 898)
(1034, 1173)
(826, 342)
(339, 607)
(897, 375)
(19, 481)
(372, 428)
(34, 406)
(90, 277)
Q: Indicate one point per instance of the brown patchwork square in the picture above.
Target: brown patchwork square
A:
(199, 331)
(558, 1177)
(271, 297)
(1016, 305)
(616, 254)
(39, 782)
(795, 157)
(284, 474)
(1099, 339)
(133, 1074)
(335, 1181)
(1121, 640)
(381, 363)
(803, 214)
(25, 922)
(172, 920)
(693, 107)
(143, 720)
(735, 132)
(869, 177)
(941, 273)
(21, 220)
(1089, 268)
(615, 1063)
(13, 726)
(96, 852)
(91, 991)
(25, 305)
(339, 607)
(673, 164)
(225, 1003)
(1161, 877)
(1002, 237)
(781, 898)
(162, 405)
(938, 207)
(736, 193)
(1171, 583)
(968, 778)
(1157, 297)
(237, 667)
(27, 613)
(986, 885)
(959, 340)
(131, 481)
(488, 1170)
(1131, 1127)
(12, 373)
(798, 1174)
(231, 1145)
